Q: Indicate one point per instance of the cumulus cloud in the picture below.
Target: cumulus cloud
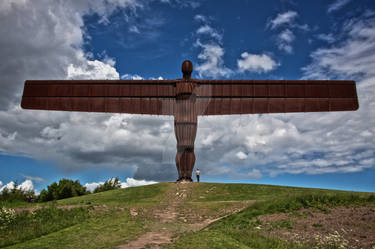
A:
(130, 182)
(354, 57)
(92, 186)
(241, 155)
(47, 43)
(208, 30)
(336, 5)
(212, 53)
(256, 63)
(92, 70)
(326, 37)
(286, 22)
(285, 38)
(311, 143)
(212, 64)
(27, 185)
(283, 19)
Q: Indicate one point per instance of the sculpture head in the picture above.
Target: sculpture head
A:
(187, 69)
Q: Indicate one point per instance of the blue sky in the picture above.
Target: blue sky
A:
(134, 39)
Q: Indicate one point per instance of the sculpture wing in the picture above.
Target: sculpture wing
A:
(156, 97)
(218, 97)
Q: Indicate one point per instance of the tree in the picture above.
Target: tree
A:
(16, 193)
(64, 189)
(113, 183)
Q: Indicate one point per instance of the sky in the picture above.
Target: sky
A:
(139, 39)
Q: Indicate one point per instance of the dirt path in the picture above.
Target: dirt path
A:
(32, 209)
(172, 211)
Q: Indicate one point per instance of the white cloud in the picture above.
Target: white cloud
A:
(47, 41)
(282, 19)
(200, 18)
(33, 178)
(208, 30)
(131, 77)
(92, 70)
(9, 186)
(274, 144)
(72, 140)
(287, 48)
(130, 182)
(241, 155)
(134, 29)
(92, 186)
(27, 185)
(353, 57)
(326, 37)
(213, 62)
(256, 63)
(1, 183)
(211, 56)
(158, 78)
(337, 4)
(287, 36)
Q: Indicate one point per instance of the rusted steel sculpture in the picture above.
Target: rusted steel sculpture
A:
(187, 98)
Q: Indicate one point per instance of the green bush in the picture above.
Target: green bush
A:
(29, 225)
(15, 194)
(7, 216)
(64, 189)
(113, 183)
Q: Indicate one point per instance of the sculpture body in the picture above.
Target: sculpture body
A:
(188, 98)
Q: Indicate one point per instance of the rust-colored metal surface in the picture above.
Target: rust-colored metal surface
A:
(187, 98)
(155, 97)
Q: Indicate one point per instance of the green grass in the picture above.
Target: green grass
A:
(135, 195)
(237, 192)
(103, 220)
(16, 204)
(30, 225)
(240, 227)
(106, 230)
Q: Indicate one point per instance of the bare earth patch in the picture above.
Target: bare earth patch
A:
(32, 209)
(340, 227)
(150, 239)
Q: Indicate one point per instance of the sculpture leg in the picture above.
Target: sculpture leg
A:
(185, 127)
(185, 157)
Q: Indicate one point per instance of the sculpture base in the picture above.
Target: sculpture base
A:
(185, 179)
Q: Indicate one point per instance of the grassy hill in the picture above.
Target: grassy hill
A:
(192, 215)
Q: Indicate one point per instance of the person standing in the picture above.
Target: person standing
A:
(197, 173)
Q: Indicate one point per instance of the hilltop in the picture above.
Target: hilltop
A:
(199, 215)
